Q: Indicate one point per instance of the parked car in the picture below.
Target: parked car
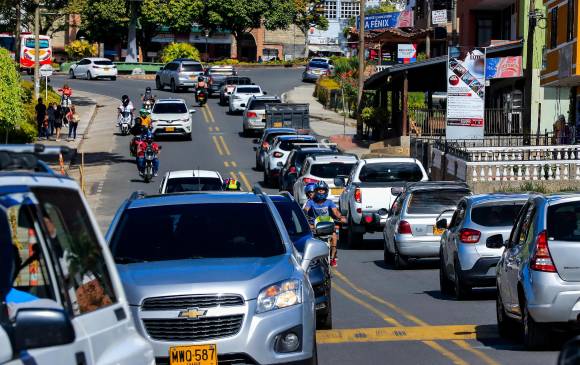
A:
(538, 275)
(241, 95)
(319, 272)
(217, 75)
(278, 154)
(465, 261)
(372, 187)
(61, 298)
(410, 230)
(264, 143)
(219, 275)
(324, 168)
(293, 166)
(314, 70)
(179, 74)
(171, 117)
(254, 116)
(229, 85)
(93, 68)
(191, 180)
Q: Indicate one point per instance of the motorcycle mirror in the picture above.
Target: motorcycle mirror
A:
(160, 147)
(192, 111)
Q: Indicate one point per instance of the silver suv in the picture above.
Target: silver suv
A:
(538, 275)
(179, 74)
(465, 261)
(239, 295)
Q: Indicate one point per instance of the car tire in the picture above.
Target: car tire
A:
(506, 326)
(71, 74)
(387, 256)
(353, 238)
(324, 322)
(158, 84)
(172, 86)
(534, 334)
(245, 133)
(266, 179)
(89, 76)
(188, 137)
(114, 78)
(445, 284)
(400, 262)
(462, 291)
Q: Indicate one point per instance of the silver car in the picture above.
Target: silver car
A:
(538, 275)
(230, 287)
(410, 231)
(254, 116)
(179, 74)
(465, 261)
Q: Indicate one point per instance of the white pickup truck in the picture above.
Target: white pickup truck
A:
(372, 187)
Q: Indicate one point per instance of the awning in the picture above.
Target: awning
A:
(324, 48)
(430, 72)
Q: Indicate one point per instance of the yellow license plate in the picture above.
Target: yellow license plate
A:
(193, 355)
(277, 124)
(170, 129)
(336, 191)
(192, 77)
(438, 231)
(107, 68)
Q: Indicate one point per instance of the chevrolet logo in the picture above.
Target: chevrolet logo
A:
(193, 313)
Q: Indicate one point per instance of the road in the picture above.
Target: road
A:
(380, 315)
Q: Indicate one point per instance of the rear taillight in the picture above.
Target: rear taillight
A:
(404, 228)
(467, 235)
(357, 195)
(309, 181)
(252, 115)
(278, 154)
(265, 145)
(542, 260)
(292, 170)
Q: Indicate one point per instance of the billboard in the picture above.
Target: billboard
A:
(381, 21)
(407, 53)
(465, 93)
(503, 67)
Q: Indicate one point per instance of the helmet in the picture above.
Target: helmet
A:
(125, 100)
(309, 188)
(200, 79)
(148, 89)
(231, 185)
(149, 136)
(144, 112)
(321, 185)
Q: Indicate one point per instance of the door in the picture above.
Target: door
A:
(81, 68)
(450, 248)
(393, 221)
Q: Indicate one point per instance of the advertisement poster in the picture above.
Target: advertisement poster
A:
(380, 21)
(465, 93)
(407, 53)
(503, 67)
(439, 17)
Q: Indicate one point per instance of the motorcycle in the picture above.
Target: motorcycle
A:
(324, 227)
(148, 103)
(150, 156)
(201, 97)
(124, 123)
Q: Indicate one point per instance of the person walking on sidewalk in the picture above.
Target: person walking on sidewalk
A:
(58, 121)
(73, 122)
(51, 111)
(40, 114)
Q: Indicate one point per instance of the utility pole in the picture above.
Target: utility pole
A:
(36, 49)
(361, 65)
(17, 32)
(454, 41)
(428, 37)
(529, 71)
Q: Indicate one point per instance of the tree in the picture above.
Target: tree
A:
(179, 50)
(101, 19)
(178, 15)
(81, 48)
(11, 106)
(385, 7)
(307, 14)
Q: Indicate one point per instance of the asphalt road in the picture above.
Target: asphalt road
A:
(381, 316)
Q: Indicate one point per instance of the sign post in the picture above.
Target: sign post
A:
(46, 72)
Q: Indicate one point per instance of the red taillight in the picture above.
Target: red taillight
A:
(368, 219)
(542, 260)
(292, 170)
(357, 195)
(251, 115)
(265, 145)
(404, 228)
(310, 181)
(467, 235)
(278, 154)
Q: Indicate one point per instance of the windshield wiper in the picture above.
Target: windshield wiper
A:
(128, 260)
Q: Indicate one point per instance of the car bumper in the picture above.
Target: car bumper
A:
(309, 76)
(185, 83)
(418, 246)
(159, 130)
(255, 124)
(105, 74)
(482, 273)
(551, 299)
(372, 221)
(256, 338)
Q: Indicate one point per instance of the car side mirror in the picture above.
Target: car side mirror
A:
(192, 111)
(495, 241)
(265, 92)
(339, 182)
(313, 249)
(37, 328)
(441, 224)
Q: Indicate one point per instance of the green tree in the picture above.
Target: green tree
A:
(178, 15)
(309, 13)
(11, 105)
(101, 19)
(179, 50)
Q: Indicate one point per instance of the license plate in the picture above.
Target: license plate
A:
(277, 124)
(107, 69)
(193, 355)
(336, 191)
(169, 129)
(438, 231)
(192, 77)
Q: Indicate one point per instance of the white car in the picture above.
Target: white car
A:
(278, 154)
(323, 168)
(93, 68)
(171, 117)
(191, 180)
(241, 95)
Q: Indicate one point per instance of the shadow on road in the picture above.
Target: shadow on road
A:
(82, 101)
(477, 294)
(103, 158)
(414, 264)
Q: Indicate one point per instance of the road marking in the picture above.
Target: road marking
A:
(210, 129)
(448, 354)
(226, 148)
(246, 181)
(217, 129)
(217, 145)
(376, 311)
(226, 164)
(234, 164)
(486, 359)
(212, 119)
(100, 187)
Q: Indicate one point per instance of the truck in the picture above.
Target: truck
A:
(288, 115)
(370, 191)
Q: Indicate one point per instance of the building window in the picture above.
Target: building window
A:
(484, 31)
(330, 9)
(554, 27)
(349, 9)
(570, 23)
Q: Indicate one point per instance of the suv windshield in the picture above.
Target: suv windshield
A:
(564, 222)
(390, 172)
(261, 104)
(434, 201)
(181, 184)
(293, 217)
(196, 231)
(191, 67)
(289, 145)
(169, 108)
(248, 90)
(331, 170)
(302, 156)
(496, 214)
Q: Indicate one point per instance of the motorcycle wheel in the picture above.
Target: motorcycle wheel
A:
(148, 173)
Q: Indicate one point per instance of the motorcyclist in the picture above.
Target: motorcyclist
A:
(320, 207)
(148, 95)
(231, 185)
(138, 131)
(201, 86)
(141, 147)
(126, 106)
(309, 192)
(145, 116)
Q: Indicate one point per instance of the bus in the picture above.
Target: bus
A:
(26, 56)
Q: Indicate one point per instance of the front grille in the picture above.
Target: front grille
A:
(190, 301)
(225, 359)
(183, 329)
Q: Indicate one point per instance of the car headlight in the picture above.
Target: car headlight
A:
(280, 295)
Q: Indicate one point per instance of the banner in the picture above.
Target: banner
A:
(465, 93)
(381, 21)
(503, 67)
(439, 17)
(407, 53)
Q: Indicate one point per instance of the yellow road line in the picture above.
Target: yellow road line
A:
(205, 117)
(217, 129)
(217, 145)
(246, 181)
(210, 129)
(234, 164)
(448, 354)
(212, 119)
(226, 148)
(376, 311)
(486, 359)
(226, 164)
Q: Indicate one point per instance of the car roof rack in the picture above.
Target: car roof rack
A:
(316, 145)
(435, 184)
(26, 156)
(325, 157)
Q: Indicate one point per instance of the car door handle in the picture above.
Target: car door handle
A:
(81, 358)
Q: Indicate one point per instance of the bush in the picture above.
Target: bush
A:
(325, 86)
(81, 48)
(179, 50)
(28, 130)
(11, 103)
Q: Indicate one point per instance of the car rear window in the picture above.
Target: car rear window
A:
(293, 217)
(331, 170)
(289, 145)
(496, 215)
(261, 104)
(270, 138)
(318, 65)
(385, 172)
(238, 81)
(564, 222)
(434, 201)
(103, 63)
(182, 184)
(169, 108)
(191, 67)
(301, 157)
(248, 90)
(196, 231)
(221, 72)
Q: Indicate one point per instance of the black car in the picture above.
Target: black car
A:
(319, 273)
(217, 76)
(291, 170)
(229, 85)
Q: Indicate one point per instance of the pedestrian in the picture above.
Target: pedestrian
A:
(559, 128)
(51, 116)
(45, 127)
(73, 122)
(58, 122)
(40, 109)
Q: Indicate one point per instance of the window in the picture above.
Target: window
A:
(169, 108)
(564, 222)
(191, 67)
(525, 230)
(248, 90)
(496, 214)
(257, 104)
(331, 170)
(289, 145)
(330, 9)
(87, 280)
(390, 172)
(570, 23)
(349, 9)
(183, 184)
(554, 27)
(518, 224)
(484, 31)
(434, 201)
(322, 65)
(104, 63)
(458, 215)
(293, 217)
(42, 43)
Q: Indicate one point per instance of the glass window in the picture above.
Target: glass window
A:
(458, 215)
(554, 27)
(289, 145)
(191, 67)
(496, 214)
(271, 136)
(196, 231)
(390, 172)
(104, 63)
(42, 43)
(349, 9)
(221, 71)
(434, 201)
(248, 90)
(331, 170)
(322, 65)
(169, 108)
(182, 184)
(86, 274)
(484, 31)
(261, 104)
(564, 222)
(518, 224)
(7, 42)
(330, 9)
(525, 230)
(294, 219)
(570, 23)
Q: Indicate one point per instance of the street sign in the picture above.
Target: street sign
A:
(46, 71)
(407, 53)
(381, 21)
(439, 17)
